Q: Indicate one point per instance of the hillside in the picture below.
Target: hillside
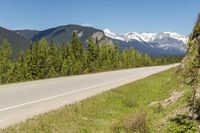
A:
(18, 42)
(28, 34)
(163, 47)
(64, 34)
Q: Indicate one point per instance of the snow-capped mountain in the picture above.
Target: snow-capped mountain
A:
(150, 37)
(154, 44)
(133, 35)
(168, 41)
(112, 35)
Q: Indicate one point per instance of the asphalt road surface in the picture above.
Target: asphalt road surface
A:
(24, 100)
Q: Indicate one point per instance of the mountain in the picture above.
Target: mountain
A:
(64, 34)
(108, 33)
(28, 34)
(167, 40)
(155, 44)
(17, 42)
(169, 43)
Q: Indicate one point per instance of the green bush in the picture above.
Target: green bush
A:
(182, 124)
(197, 108)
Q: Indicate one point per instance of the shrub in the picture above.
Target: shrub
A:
(117, 127)
(197, 108)
(182, 124)
(132, 124)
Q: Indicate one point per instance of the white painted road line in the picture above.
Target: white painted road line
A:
(56, 96)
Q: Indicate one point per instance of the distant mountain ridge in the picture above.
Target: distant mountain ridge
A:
(18, 42)
(171, 42)
(155, 44)
(64, 34)
(28, 34)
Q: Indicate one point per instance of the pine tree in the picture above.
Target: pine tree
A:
(52, 73)
(92, 55)
(30, 64)
(113, 57)
(19, 69)
(65, 70)
(55, 58)
(5, 62)
(76, 47)
(76, 55)
(37, 60)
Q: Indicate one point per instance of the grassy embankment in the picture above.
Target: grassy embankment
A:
(113, 111)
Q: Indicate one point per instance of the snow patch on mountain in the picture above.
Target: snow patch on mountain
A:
(148, 37)
(112, 35)
(167, 40)
(133, 36)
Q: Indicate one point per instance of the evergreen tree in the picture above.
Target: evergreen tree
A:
(92, 55)
(55, 58)
(5, 62)
(52, 73)
(37, 60)
(29, 64)
(104, 57)
(19, 69)
(76, 55)
(76, 47)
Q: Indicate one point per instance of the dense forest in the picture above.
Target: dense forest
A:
(46, 60)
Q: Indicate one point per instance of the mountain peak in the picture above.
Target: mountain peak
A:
(133, 36)
(164, 40)
(164, 43)
(107, 31)
(112, 35)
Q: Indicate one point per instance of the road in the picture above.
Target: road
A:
(24, 100)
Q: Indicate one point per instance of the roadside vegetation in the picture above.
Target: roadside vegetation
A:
(190, 69)
(189, 74)
(149, 105)
(47, 60)
(168, 102)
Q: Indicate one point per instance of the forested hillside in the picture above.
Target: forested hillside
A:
(19, 43)
(43, 60)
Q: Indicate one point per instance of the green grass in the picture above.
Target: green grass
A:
(98, 114)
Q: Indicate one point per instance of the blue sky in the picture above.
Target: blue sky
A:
(120, 16)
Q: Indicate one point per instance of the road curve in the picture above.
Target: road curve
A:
(24, 100)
